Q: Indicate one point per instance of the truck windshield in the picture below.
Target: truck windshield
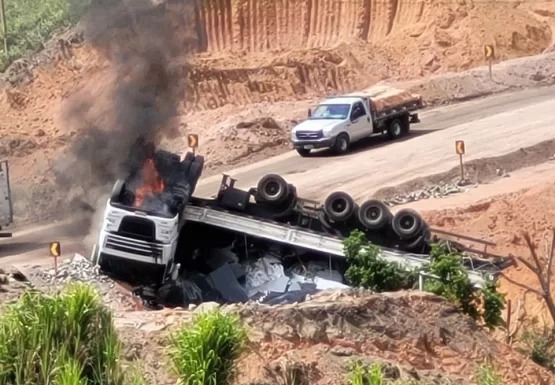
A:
(331, 111)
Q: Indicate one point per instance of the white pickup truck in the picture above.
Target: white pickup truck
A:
(6, 211)
(339, 121)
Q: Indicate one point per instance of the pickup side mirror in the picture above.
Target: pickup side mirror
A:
(309, 112)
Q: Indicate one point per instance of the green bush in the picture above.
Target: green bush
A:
(452, 280)
(454, 284)
(67, 338)
(205, 352)
(31, 23)
(539, 344)
(369, 271)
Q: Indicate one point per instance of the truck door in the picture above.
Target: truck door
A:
(359, 123)
(6, 213)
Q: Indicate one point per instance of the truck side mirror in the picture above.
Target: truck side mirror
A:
(309, 112)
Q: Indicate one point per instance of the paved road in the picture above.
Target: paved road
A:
(32, 243)
(490, 126)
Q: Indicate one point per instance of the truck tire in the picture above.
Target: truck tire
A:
(195, 171)
(407, 224)
(395, 129)
(189, 156)
(272, 189)
(117, 190)
(303, 152)
(339, 206)
(342, 144)
(374, 214)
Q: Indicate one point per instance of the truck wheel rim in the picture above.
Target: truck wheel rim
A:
(407, 222)
(273, 189)
(339, 205)
(396, 129)
(373, 213)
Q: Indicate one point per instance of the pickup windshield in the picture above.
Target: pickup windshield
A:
(331, 111)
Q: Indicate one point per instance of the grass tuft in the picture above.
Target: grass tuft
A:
(67, 338)
(205, 352)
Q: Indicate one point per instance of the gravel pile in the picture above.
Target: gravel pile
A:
(80, 269)
(437, 191)
(77, 268)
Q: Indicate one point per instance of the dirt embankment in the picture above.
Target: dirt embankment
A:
(416, 335)
(502, 220)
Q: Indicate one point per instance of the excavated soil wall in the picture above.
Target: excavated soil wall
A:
(260, 50)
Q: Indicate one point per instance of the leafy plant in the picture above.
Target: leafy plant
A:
(369, 271)
(451, 280)
(67, 338)
(454, 284)
(205, 352)
(360, 374)
(493, 304)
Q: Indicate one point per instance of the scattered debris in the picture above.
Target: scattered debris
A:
(80, 269)
(232, 280)
(436, 191)
(77, 268)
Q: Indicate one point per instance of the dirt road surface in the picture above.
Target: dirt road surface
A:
(489, 126)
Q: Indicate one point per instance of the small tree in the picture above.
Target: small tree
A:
(454, 284)
(539, 341)
(369, 271)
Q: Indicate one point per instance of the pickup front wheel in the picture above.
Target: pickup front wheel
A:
(342, 144)
(303, 152)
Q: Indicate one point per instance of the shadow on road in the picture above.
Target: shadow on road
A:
(14, 248)
(372, 142)
(38, 239)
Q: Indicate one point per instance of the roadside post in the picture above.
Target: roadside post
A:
(192, 141)
(55, 252)
(460, 150)
(4, 26)
(489, 54)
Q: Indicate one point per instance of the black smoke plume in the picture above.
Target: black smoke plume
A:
(136, 95)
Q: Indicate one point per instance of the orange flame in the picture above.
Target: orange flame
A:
(151, 183)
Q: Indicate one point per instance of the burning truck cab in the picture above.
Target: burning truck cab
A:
(145, 213)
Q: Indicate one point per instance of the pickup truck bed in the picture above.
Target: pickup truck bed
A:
(385, 101)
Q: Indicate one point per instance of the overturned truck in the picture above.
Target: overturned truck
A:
(157, 234)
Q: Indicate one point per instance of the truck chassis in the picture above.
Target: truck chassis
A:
(277, 216)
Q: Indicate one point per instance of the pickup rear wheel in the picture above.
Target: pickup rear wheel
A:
(395, 129)
(342, 144)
